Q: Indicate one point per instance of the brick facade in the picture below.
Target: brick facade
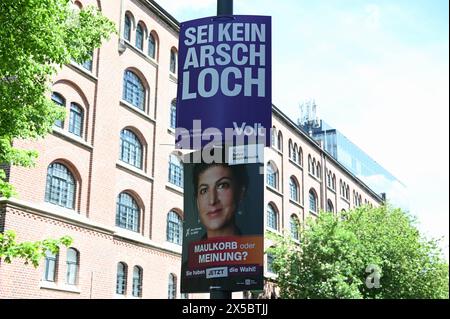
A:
(93, 160)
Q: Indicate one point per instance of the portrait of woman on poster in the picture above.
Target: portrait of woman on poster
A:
(219, 189)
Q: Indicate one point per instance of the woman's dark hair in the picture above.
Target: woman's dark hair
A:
(239, 174)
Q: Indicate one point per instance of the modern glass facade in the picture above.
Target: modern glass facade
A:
(353, 158)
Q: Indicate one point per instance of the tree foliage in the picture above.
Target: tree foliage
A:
(30, 251)
(368, 253)
(38, 37)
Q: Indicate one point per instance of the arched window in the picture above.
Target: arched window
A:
(173, 114)
(130, 148)
(59, 100)
(313, 167)
(151, 46)
(60, 189)
(312, 201)
(272, 176)
(330, 207)
(295, 227)
(274, 135)
(347, 193)
(291, 148)
(280, 141)
(127, 212)
(73, 258)
(76, 119)
(127, 28)
(294, 154)
(139, 37)
(137, 281)
(51, 266)
(174, 228)
(293, 189)
(121, 282)
(343, 215)
(173, 61)
(175, 170)
(172, 288)
(133, 90)
(318, 171)
(309, 163)
(300, 156)
(270, 260)
(272, 218)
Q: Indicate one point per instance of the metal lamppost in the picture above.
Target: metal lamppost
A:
(224, 7)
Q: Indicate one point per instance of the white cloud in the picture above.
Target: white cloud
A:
(184, 10)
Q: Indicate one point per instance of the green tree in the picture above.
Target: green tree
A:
(37, 37)
(368, 253)
(29, 251)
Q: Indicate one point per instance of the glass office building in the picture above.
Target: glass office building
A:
(357, 161)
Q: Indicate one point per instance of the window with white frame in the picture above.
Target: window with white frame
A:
(60, 187)
(127, 212)
(133, 90)
(174, 228)
(272, 218)
(137, 282)
(50, 266)
(312, 201)
(121, 280)
(175, 170)
(73, 258)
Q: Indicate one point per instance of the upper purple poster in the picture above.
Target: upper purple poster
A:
(224, 82)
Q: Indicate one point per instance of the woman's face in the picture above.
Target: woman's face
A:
(216, 199)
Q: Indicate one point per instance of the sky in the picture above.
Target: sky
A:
(378, 72)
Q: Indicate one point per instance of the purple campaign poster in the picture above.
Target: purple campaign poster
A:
(224, 92)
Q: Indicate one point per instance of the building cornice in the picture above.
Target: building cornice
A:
(73, 218)
(163, 14)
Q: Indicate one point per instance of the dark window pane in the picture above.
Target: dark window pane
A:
(121, 283)
(127, 28)
(76, 119)
(58, 100)
(137, 282)
(173, 61)
(139, 37)
(173, 114)
(151, 46)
